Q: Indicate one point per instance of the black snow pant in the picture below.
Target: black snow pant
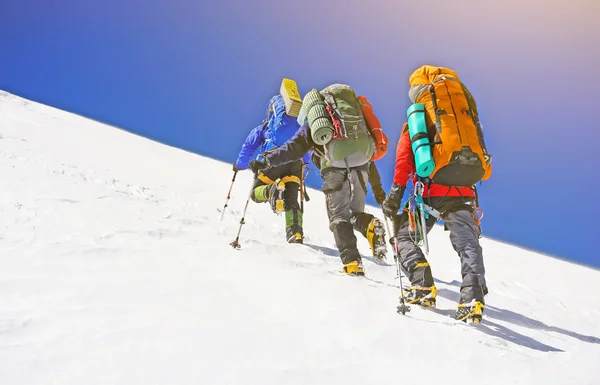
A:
(464, 236)
(345, 199)
(293, 213)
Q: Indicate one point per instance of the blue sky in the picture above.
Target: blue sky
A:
(197, 75)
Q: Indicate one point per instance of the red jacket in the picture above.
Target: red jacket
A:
(405, 166)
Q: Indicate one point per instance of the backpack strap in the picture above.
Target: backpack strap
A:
(266, 122)
(438, 121)
(474, 114)
(474, 188)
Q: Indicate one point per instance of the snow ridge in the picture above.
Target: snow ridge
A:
(115, 269)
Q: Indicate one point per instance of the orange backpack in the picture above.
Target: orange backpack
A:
(381, 141)
(459, 152)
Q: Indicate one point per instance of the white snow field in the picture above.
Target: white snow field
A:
(115, 269)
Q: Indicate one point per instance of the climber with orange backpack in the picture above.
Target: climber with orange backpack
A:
(442, 150)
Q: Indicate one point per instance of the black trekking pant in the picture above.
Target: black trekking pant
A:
(464, 236)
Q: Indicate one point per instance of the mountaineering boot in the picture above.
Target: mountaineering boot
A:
(470, 312)
(272, 193)
(295, 238)
(293, 224)
(354, 268)
(376, 238)
(419, 295)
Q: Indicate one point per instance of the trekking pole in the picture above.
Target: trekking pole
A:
(236, 244)
(228, 194)
(402, 308)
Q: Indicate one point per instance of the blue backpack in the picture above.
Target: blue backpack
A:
(276, 129)
(279, 126)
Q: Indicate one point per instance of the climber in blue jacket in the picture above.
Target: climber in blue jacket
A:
(279, 185)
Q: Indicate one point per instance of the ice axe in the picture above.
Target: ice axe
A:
(228, 194)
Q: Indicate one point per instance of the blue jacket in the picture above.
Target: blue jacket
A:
(272, 133)
(252, 143)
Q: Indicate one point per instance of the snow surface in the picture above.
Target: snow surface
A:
(115, 269)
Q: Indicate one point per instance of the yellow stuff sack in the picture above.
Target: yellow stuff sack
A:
(291, 97)
(459, 151)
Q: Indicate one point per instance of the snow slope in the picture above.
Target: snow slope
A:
(115, 269)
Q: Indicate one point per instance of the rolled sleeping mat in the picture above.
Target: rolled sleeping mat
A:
(321, 127)
(417, 128)
(317, 111)
(321, 131)
(310, 99)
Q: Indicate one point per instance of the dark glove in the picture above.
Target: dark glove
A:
(391, 204)
(379, 194)
(235, 169)
(259, 165)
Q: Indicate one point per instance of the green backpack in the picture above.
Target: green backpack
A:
(337, 123)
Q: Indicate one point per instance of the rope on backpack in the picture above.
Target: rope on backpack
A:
(338, 132)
